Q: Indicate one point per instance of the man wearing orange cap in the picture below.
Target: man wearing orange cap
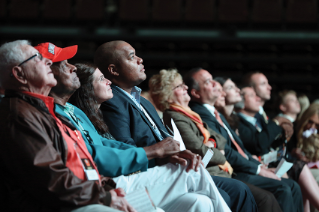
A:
(56, 54)
(45, 165)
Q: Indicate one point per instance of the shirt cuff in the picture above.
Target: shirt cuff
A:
(258, 169)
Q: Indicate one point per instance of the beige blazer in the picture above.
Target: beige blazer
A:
(193, 140)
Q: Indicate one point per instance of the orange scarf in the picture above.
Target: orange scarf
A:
(195, 118)
(199, 123)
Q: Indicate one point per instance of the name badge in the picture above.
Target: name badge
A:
(209, 154)
(89, 170)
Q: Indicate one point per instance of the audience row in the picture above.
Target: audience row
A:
(82, 136)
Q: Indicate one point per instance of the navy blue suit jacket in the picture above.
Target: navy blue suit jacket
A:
(238, 162)
(127, 123)
(256, 142)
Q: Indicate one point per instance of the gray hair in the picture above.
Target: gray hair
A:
(11, 55)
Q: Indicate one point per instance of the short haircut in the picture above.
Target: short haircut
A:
(241, 90)
(161, 87)
(190, 81)
(105, 55)
(241, 104)
(283, 94)
(246, 80)
(11, 55)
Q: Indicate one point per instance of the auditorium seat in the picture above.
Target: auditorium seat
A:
(26, 9)
(235, 11)
(199, 47)
(57, 9)
(301, 11)
(267, 11)
(228, 47)
(160, 46)
(200, 11)
(261, 48)
(3, 5)
(137, 10)
(297, 48)
(90, 10)
(167, 10)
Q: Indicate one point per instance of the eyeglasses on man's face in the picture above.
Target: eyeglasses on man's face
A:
(30, 58)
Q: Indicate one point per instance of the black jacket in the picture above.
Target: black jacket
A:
(127, 123)
(238, 162)
(259, 143)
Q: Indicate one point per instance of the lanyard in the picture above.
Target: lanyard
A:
(90, 174)
(149, 118)
(158, 133)
(85, 132)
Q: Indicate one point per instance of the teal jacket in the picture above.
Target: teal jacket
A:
(113, 158)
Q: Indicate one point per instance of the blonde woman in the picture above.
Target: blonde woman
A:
(310, 147)
(304, 104)
(169, 94)
(308, 120)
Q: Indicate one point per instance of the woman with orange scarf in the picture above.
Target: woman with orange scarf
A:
(170, 96)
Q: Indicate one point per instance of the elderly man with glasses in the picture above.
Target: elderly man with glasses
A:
(45, 165)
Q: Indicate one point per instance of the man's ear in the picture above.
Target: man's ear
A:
(283, 108)
(112, 69)
(18, 73)
(195, 94)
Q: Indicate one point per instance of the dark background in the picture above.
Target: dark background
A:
(227, 37)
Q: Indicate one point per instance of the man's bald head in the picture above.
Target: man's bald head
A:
(119, 63)
(107, 54)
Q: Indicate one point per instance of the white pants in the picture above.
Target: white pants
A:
(173, 189)
(101, 208)
(95, 208)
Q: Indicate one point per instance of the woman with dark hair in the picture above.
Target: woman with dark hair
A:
(91, 94)
(299, 172)
(232, 97)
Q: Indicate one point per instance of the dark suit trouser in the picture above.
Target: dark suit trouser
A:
(265, 200)
(236, 194)
(286, 191)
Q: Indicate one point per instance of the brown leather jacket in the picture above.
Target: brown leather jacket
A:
(32, 161)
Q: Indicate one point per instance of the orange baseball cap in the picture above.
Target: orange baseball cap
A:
(56, 54)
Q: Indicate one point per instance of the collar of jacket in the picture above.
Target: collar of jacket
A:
(39, 104)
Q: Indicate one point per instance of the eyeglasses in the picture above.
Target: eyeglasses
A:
(30, 58)
(179, 86)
